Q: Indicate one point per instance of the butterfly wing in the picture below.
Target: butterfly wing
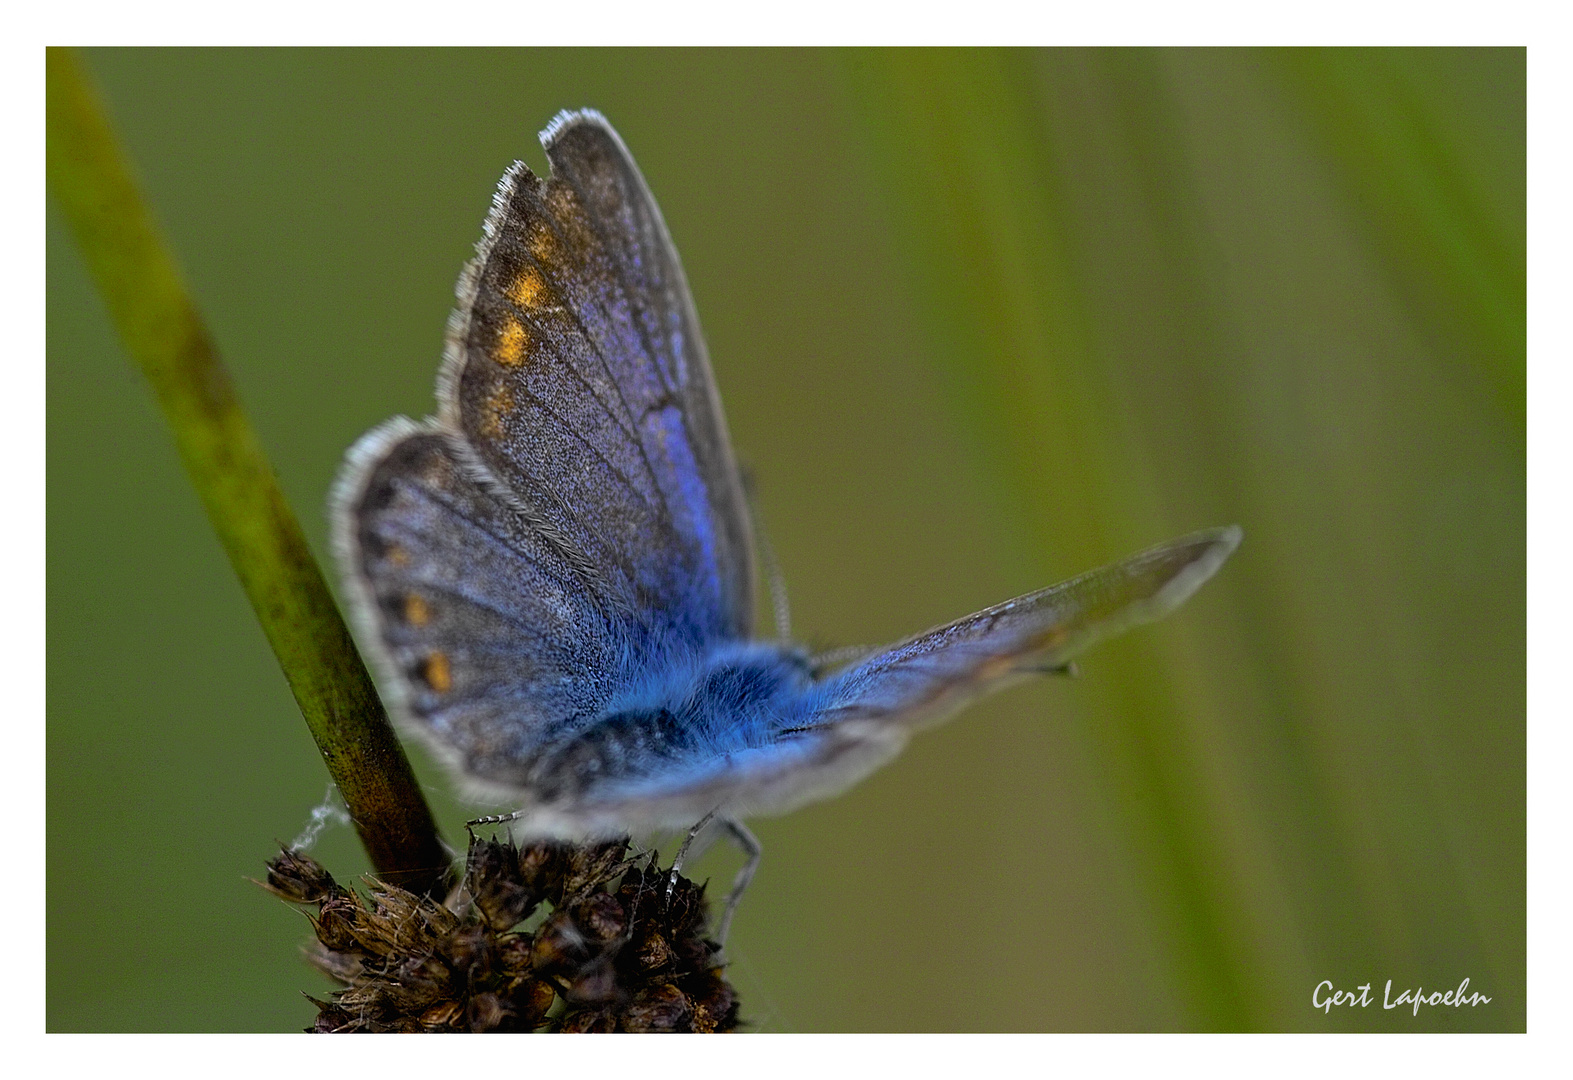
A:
(928, 677)
(574, 512)
(577, 372)
(480, 621)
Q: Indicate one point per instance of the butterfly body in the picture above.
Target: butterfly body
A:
(678, 720)
(731, 735)
(555, 574)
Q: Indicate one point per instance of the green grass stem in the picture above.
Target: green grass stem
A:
(91, 182)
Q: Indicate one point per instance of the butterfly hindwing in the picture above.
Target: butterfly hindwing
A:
(927, 677)
(489, 637)
(577, 371)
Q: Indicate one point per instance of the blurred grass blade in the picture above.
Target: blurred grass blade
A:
(148, 304)
(960, 141)
(1463, 271)
(1151, 298)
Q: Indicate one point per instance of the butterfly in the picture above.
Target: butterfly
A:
(555, 574)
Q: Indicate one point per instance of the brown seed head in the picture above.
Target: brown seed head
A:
(613, 954)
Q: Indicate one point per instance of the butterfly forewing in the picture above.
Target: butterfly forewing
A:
(929, 676)
(578, 373)
(574, 512)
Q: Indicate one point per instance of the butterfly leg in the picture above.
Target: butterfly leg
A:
(682, 852)
(494, 819)
(754, 851)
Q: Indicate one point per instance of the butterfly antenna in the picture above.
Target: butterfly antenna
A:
(778, 590)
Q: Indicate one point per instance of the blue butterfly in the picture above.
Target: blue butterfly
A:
(555, 574)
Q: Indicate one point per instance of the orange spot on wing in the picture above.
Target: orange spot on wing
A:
(437, 673)
(528, 289)
(416, 613)
(398, 556)
(512, 342)
(498, 404)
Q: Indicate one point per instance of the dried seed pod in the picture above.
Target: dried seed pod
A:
(715, 1005)
(488, 1012)
(651, 953)
(661, 1008)
(336, 924)
(532, 999)
(472, 949)
(417, 984)
(331, 1018)
(599, 916)
(441, 1017)
(300, 879)
(541, 869)
(589, 1022)
(594, 983)
(559, 945)
(496, 886)
(512, 956)
(589, 865)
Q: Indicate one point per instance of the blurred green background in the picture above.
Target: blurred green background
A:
(982, 320)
